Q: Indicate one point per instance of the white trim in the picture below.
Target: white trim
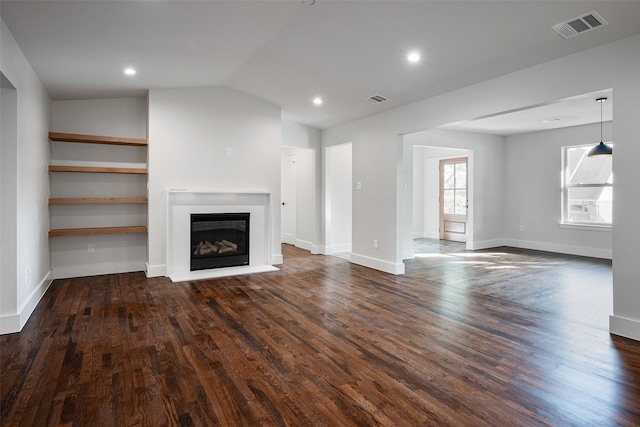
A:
(319, 250)
(11, 323)
(339, 248)
(377, 264)
(157, 270)
(562, 249)
(277, 259)
(485, 244)
(628, 328)
(588, 227)
(220, 272)
(303, 244)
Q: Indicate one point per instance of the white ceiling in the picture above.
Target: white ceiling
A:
(578, 110)
(288, 52)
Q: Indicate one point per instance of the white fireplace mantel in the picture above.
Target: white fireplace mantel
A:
(181, 204)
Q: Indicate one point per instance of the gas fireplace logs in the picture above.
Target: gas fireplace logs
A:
(221, 247)
(228, 244)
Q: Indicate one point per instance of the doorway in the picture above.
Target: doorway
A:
(453, 199)
(288, 189)
(298, 197)
(427, 210)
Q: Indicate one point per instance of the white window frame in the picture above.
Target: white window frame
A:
(565, 222)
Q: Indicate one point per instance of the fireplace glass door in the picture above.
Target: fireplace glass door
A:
(219, 240)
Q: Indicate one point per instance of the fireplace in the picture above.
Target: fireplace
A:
(219, 240)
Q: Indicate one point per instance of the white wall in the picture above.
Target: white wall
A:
(532, 193)
(189, 133)
(304, 142)
(8, 196)
(377, 157)
(125, 117)
(419, 225)
(339, 186)
(26, 214)
(297, 135)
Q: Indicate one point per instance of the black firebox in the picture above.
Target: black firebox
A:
(219, 240)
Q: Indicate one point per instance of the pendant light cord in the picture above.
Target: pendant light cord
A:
(601, 102)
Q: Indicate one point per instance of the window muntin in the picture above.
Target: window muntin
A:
(587, 191)
(454, 188)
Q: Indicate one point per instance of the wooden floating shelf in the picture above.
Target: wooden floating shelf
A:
(97, 139)
(96, 169)
(96, 200)
(96, 231)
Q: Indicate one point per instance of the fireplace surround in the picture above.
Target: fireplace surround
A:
(181, 204)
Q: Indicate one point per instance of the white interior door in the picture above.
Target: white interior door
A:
(454, 199)
(288, 202)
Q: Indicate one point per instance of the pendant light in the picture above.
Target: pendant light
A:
(601, 149)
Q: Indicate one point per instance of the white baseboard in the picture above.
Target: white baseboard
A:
(66, 272)
(9, 323)
(158, 270)
(339, 248)
(12, 323)
(318, 250)
(303, 244)
(377, 264)
(562, 249)
(420, 234)
(628, 328)
(486, 244)
(277, 259)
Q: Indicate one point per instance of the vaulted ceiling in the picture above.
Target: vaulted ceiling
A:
(288, 52)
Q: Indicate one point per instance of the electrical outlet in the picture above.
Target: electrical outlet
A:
(91, 249)
(28, 275)
(375, 244)
(521, 227)
(228, 152)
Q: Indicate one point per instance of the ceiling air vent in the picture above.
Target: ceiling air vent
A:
(581, 24)
(376, 99)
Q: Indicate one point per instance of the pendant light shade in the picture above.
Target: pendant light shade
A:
(601, 149)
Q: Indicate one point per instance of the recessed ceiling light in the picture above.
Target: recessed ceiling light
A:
(413, 57)
(317, 100)
(555, 119)
(129, 71)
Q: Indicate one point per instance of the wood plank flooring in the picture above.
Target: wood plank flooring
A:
(501, 337)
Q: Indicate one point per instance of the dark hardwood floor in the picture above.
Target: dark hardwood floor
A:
(502, 337)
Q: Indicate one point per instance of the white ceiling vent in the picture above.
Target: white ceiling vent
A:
(376, 99)
(578, 25)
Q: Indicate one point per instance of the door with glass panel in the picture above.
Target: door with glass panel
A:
(453, 199)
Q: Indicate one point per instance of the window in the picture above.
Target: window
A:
(454, 187)
(587, 187)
